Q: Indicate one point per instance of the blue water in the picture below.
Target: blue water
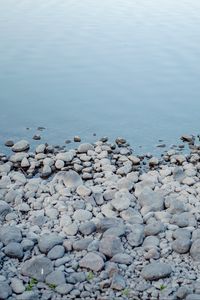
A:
(126, 68)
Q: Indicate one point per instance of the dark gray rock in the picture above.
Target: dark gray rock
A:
(37, 267)
(156, 270)
(14, 250)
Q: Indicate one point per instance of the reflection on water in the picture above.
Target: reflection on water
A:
(123, 67)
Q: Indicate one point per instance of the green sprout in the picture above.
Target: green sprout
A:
(52, 286)
(126, 292)
(31, 284)
(162, 287)
(90, 276)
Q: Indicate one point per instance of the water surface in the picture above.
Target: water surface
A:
(119, 68)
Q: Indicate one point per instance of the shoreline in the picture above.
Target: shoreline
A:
(99, 222)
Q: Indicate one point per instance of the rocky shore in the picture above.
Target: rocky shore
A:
(99, 223)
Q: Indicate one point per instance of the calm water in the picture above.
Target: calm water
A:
(114, 67)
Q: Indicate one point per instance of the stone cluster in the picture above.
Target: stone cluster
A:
(98, 222)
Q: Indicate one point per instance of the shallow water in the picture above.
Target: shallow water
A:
(118, 68)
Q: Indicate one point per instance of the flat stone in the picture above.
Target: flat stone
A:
(20, 146)
(110, 245)
(14, 250)
(156, 270)
(47, 241)
(92, 261)
(37, 267)
(56, 278)
(122, 258)
(10, 234)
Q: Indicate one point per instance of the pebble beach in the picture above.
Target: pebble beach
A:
(99, 222)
